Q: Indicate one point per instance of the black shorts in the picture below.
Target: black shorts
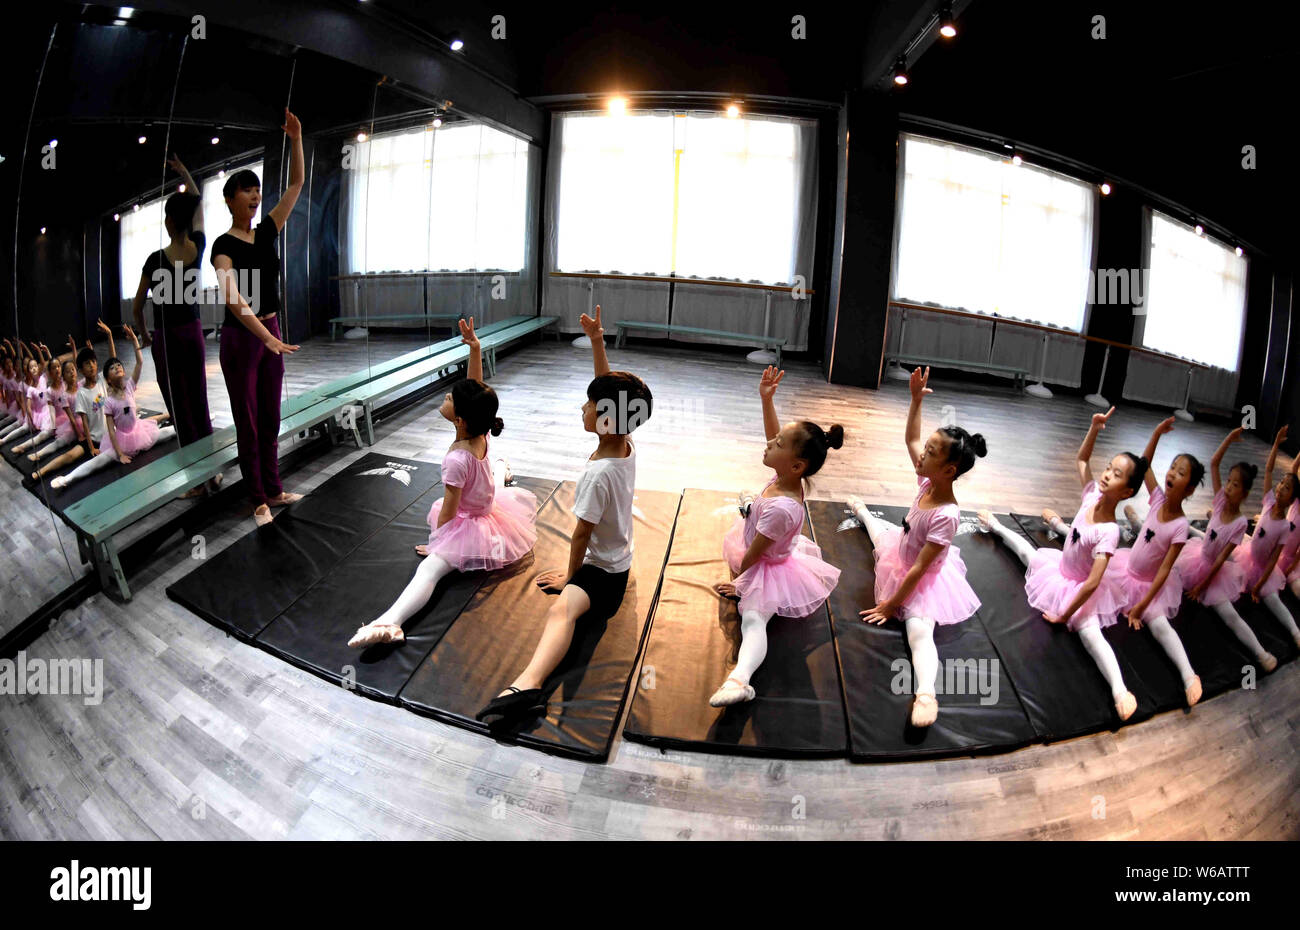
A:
(604, 588)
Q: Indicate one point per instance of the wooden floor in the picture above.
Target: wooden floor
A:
(201, 737)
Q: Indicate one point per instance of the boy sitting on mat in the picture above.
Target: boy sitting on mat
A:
(600, 552)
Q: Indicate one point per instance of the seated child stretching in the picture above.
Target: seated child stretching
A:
(600, 551)
(778, 570)
(920, 575)
(1072, 586)
(66, 428)
(478, 523)
(128, 434)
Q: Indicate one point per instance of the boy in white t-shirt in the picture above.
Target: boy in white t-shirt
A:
(600, 551)
(87, 410)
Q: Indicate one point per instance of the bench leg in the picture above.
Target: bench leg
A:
(370, 427)
(618, 340)
(83, 549)
(110, 570)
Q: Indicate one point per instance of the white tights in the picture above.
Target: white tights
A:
(1173, 646)
(1278, 609)
(107, 457)
(753, 645)
(1228, 614)
(55, 446)
(34, 441)
(417, 592)
(20, 430)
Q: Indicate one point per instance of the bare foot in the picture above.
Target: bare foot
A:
(283, 498)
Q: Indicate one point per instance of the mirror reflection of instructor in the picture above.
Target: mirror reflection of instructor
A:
(248, 273)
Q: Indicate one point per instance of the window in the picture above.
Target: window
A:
(685, 193)
(979, 233)
(216, 216)
(424, 199)
(1196, 300)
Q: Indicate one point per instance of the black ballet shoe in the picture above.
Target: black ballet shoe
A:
(516, 704)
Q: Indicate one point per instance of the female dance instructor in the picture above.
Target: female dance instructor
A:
(250, 335)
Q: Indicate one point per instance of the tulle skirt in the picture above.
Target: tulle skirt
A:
(1253, 572)
(493, 540)
(795, 586)
(942, 595)
(1228, 583)
(1167, 600)
(139, 438)
(1051, 592)
(64, 430)
(44, 419)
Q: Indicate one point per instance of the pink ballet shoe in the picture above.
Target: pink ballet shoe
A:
(1194, 691)
(986, 519)
(1125, 705)
(731, 692)
(285, 498)
(925, 710)
(1268, 662)
(262, 518)
(373, 633)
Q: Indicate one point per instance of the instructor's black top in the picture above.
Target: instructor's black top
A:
(177, 311)
(262, 294)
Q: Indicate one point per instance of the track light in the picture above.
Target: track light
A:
(42, 230)
(361, 137)
(733, 111)
(116, 217)
(947, 28)
(437, 122)
(618, 105)
(1105, 188)
(900, 71)
(180, 189)
(221, 173)
(1239, 251)
(142, 140)
(54, 143)
(1200, 230)
(216, 139)
(457, 45)
(135, 208)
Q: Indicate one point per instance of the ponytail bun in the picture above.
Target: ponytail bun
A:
(979, 445)
(497, 426)
(835, 436)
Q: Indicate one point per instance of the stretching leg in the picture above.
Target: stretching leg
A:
(557, 636)
(61, 443)
(876, 527)
(1022, 547)
(1104, 656)
(17, 432)
(388, 627)
(34, 441)
(925, 669)
(67, 458)
(1228, 614)
(103, 460)
(1278, 609)
(1168, 639)
(752, 652)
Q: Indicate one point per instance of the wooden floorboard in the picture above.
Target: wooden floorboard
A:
(201, 737)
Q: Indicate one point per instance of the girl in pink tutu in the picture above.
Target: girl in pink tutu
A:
(66, 429)
(1210, 575)
(1273, 530)
(128, 434)
(920, 575)
(45, 406)
(1153, 591)
(479, 523)
(778, 570)
(31, 383)
(1072, 586)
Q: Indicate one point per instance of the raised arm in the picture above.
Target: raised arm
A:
(196, 223)
(1084, 458)
(1216, 460)
(107, 331)
(139, 356)
(596, 333)
(912, 433)
(1164, 426)
(293, 129)
(767, 392)
(467, 337)
(1272, 457)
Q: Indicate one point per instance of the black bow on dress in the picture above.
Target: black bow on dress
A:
(1149, 535)
(1074, 535)
(1214, 534)
(907, 527)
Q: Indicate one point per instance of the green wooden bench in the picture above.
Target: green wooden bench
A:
(98, 517)
(771, 342)
(1017, 372)
(337, 321)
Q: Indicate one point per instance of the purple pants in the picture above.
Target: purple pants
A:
(254, 375)
(180, 362)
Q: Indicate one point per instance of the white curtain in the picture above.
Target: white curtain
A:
(451, 199)
(1196, 305)
(141, 234)
(979, 233)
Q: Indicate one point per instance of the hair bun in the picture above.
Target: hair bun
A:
(835, 436)
(497, 426)
(979, 445)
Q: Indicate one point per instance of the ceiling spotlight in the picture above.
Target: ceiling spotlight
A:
(116, 217)
(135, 208)
(54, 143)
(142, 140)
(618, 105)
(361, 137)
(1017, 160)
(437, 122)
(1239, 252)
(1200, 230)
(947, 28)
(733, 111)
(181, 189)
(42, 230)
(216, 139)
(1105, 188)
(900, 71)
(125, 11)
(457, 45)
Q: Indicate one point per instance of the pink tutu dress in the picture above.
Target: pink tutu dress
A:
(10, 405)
(62, 403)
(1293, 542)
(133, 434)
(943, 594)
(790, 579)
(1199, 556)
(1270, 531)
(1054, 577)
(1136, 568)
(42, 412)
(492, 527)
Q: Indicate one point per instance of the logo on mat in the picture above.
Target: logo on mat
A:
(395, 473)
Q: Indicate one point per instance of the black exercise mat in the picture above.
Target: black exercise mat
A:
(493, 639)
(875, 660)
(798, 711)
(249, 583)
(313, 632)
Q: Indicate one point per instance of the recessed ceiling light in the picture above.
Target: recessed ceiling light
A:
(947, 28)
(900, 71)
(361, 137)
(1105, 188)
(142, 140)
(457, 45)
(1239, 251)
(733, 111)
(617, 104)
